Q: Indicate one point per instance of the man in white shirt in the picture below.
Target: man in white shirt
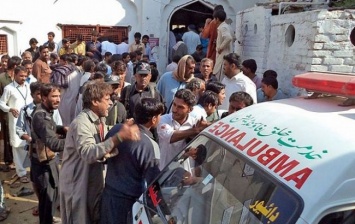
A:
(17, 95)
(206, 106)
(108, 45)
(29, 65)
(235, 80)
(174, 64)
(178, 127)
(123, 47)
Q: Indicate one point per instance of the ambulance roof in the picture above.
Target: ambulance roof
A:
(308, 144)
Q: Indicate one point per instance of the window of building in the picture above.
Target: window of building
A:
(3, 44)
(115, 33)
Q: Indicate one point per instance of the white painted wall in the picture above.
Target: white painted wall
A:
(37, 23)
(289, 61)
(253, 36)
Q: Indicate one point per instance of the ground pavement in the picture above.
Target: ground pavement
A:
(21, 207)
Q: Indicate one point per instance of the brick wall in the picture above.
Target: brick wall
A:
(332, 49)
(319, 42)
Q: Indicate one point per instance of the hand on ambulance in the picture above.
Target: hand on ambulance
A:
(200, 125)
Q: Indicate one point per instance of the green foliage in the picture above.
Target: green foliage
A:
(344, 3)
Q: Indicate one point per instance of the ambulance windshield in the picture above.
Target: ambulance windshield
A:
(209, 183)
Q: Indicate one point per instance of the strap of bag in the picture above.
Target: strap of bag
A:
(127, 96)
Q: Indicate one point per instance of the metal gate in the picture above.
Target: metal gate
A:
(115, 33)
(3, 44)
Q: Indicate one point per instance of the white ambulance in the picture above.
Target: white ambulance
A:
(286, 161)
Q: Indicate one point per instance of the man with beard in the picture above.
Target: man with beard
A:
(117, 113)
(41, 70)
(23, 125)
(44, 170)
(177, 128)
(81, 175)
(133, 94)
(170, 82)
(235, 80)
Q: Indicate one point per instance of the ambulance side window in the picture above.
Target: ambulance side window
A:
(343, 217)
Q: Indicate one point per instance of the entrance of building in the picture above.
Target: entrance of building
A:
(195, 13)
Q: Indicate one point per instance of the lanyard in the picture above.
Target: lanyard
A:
(24, 97)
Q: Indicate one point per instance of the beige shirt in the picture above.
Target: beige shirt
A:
(224, 39)
(134, 47)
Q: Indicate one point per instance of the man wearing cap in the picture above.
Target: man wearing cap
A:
(191, 39)
(117, 113)
(132, 95)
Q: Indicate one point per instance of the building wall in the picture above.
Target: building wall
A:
(37, 22)
(321, 42)
(291, 60)
(22, 19)
(253, 35)
(332, 50)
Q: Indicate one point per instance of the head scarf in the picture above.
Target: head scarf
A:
(179, 73)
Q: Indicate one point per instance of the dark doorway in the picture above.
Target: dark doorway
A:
(195, 13)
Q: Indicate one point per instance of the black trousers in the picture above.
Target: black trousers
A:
(8, 156)
(115, 209)
(45, 176)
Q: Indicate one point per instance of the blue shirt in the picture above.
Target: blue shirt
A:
(262, 98)
(168, 86)
(148, 50)
(191, 39)
(136, 163)
(91, 45)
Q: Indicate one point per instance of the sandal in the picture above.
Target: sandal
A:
(3, 214)
(35, 211)
(24, 191)
(15, 184)
(24, 180)
(5, 168)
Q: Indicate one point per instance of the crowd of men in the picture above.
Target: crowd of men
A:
(78, 106)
